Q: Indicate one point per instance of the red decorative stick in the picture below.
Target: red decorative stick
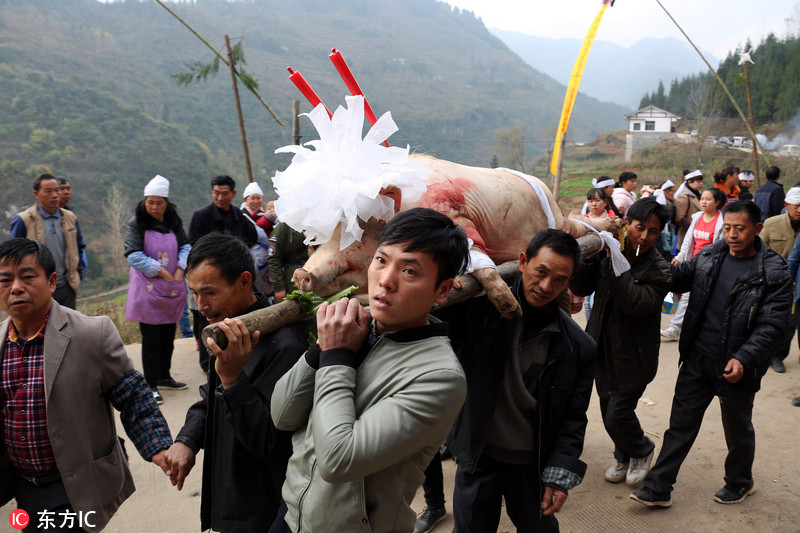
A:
(301, 83)
(344, 71)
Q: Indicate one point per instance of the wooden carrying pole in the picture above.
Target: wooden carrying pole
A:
(286, 312)
(239, 111)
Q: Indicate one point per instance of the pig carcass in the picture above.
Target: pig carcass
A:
(499, 210)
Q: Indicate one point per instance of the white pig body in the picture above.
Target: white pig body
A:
(498, 210)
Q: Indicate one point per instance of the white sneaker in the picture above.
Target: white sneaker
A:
(671, 334)
(617, 472)
(639, 468)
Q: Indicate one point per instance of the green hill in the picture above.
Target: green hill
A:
(85, 90)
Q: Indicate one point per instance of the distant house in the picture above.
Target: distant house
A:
(647, 127)
(651, 120)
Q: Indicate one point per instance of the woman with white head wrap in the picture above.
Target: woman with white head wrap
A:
(156, 247)
(687, 201)
(607, 185)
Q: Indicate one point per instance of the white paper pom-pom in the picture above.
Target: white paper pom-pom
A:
(341, 178)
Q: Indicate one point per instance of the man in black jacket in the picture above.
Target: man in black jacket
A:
(520, 433)
(245, 459)
(220, 217)
(741, 293)
(626, 324)
(769, 197)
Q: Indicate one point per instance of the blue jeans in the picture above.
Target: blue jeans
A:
(185, 324)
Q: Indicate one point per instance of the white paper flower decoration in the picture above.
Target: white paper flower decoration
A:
(341, 178)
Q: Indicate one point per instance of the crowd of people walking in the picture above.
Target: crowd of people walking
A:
(339, 435)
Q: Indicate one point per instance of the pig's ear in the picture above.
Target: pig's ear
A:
(395, 194)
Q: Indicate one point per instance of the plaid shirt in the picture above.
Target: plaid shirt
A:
(140, 415)
(24, 414)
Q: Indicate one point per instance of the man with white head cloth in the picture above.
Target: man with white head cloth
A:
(746, 178)
(780, 233)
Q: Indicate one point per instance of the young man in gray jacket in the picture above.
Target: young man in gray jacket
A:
(373, 399)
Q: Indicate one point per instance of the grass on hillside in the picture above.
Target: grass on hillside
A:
(606, 156)
(114, 308)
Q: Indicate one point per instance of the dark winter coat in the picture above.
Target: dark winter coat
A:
(769, 197)
(755, 313)
(482, 339)
(626, 317)
(142, 221)
(209, 219)
(244, 463)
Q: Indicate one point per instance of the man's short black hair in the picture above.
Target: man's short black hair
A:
(40, 178)
(426, 230)
(773, 173)
(751, 208)
(643, 209)
(223, 180)
(225, 252)
(13, 251)
(559, 241)
(62, 180)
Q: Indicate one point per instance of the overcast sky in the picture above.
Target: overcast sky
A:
(714, 25)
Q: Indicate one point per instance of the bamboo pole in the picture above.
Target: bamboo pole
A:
(722, 83)
(239, 111)
(752, 123)
(559, 168)
(194, 32)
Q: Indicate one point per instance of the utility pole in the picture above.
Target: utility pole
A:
(239, 111)
(296, 122)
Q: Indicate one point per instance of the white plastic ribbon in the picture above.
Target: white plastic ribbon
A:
(543, 198)
(340, 180)
(618, 261)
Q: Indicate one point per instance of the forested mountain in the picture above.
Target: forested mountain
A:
(774, 84)
(613, 73)
(85, 90)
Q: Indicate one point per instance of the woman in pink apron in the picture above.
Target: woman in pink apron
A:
(156, 247)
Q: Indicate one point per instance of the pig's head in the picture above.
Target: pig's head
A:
(329, 270)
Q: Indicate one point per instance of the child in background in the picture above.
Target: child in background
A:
(597, 207)
(706, 228)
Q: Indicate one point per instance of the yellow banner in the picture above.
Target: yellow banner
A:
(572, 88)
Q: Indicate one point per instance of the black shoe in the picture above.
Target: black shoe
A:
(777, 365)
(429, 518)
(157, 397)
(731, 494)
(796, 402)
(651, 498)
(170, 383)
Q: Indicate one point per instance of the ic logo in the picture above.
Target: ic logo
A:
(18, 519)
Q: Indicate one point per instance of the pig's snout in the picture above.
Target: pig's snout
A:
(304, 280)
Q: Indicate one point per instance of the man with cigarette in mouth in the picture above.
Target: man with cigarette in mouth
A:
(625, 322)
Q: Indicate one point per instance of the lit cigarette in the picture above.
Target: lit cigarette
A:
(637, 250)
